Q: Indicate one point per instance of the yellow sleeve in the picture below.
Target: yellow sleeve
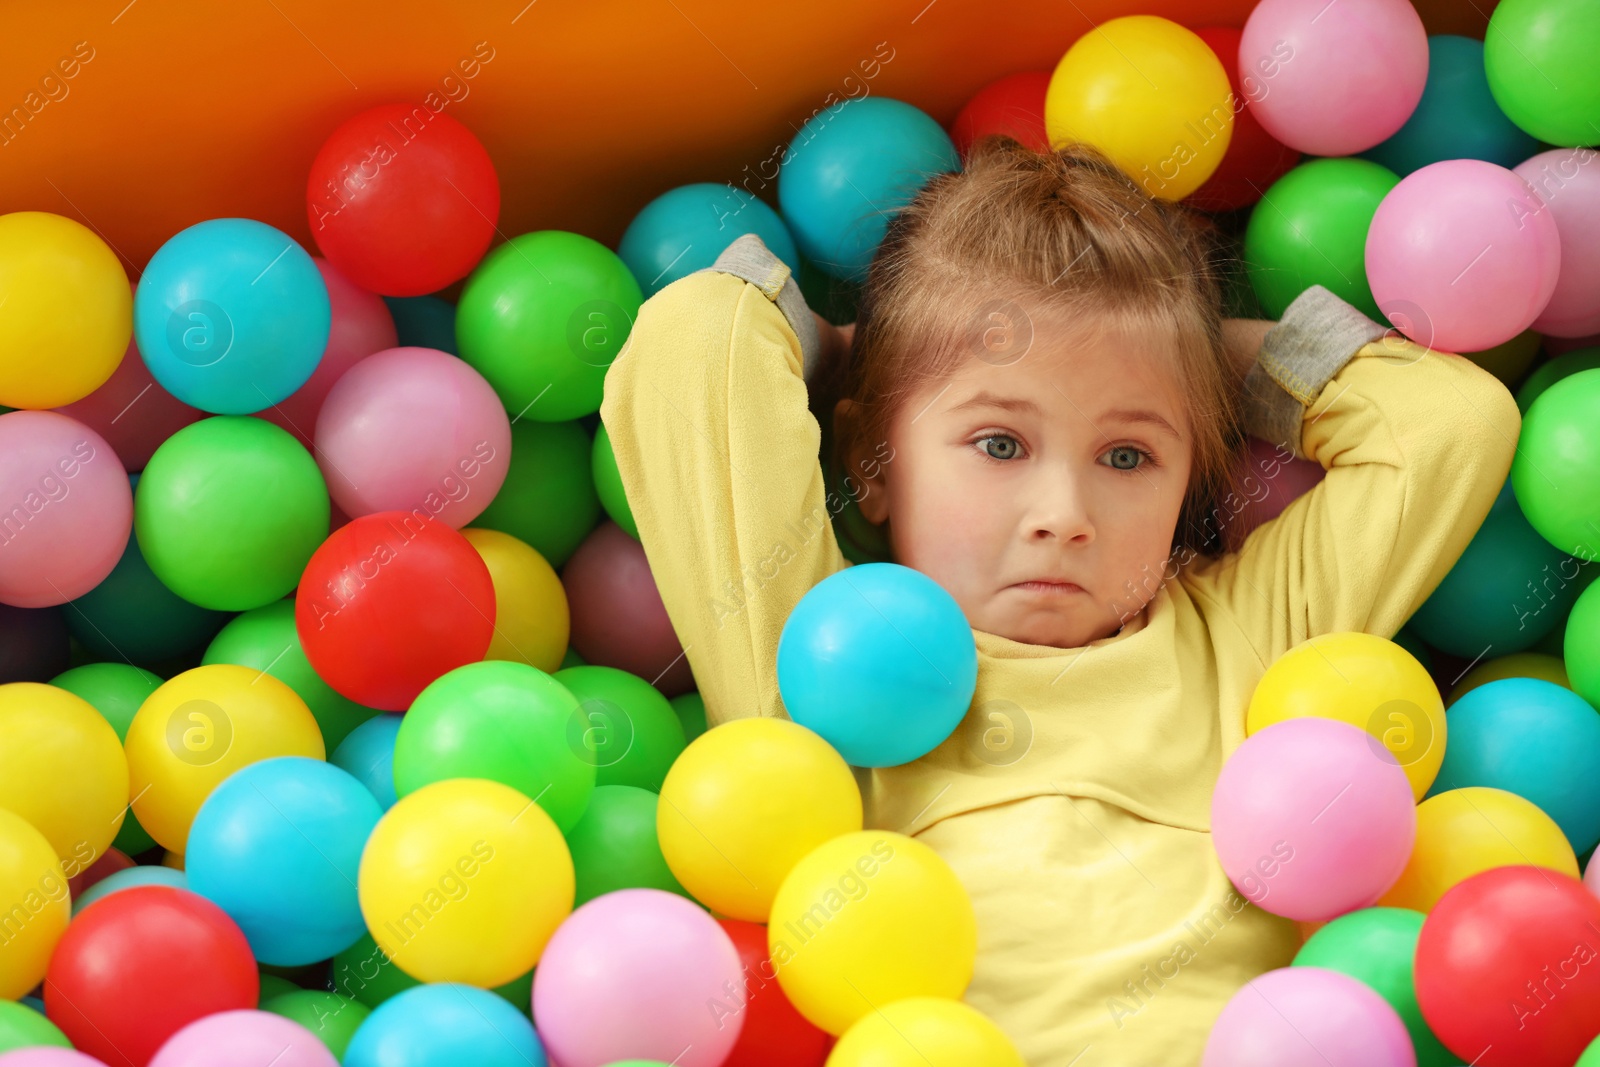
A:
(1416, 444)
(706, 408)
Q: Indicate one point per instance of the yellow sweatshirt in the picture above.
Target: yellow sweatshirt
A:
(1074, 799)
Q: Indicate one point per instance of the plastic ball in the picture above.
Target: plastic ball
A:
(925, 1032)
(691, 709)
(35, 644)
(243, 1038)
(1557, 465)
(745, 803)
(364, 973)
(1517, 665)
(624, 726)
(1367, 682)
(144, 874)
(367, 754)
(1460, 257)
(1565, 183)
(200, 727)
(686, 228)
(1547, 374)
(22, 1026)
(400, 213)
(1012, 105)
(618, 619)
(869, 918)
(1165, 120)
(229, 511)
(608, 483)
(542, 317)
(231, 316)
(1305, 1016)
(464, 881)
(505, 722)
(1465, 831)
(389, 603)
(1509, 361)
(442, 1025)
(531, 620)
(639, 973)
(1583, 645)
(423, 322)
(1263, 468)
(332, 1019)
(881, 695)
(614, 845)
(774, 1033)
(70, 509)
(141, 965)
(109, 862)
(850, 167)
(1505, 971)
(548, 499)
(1337, 79)
(33, 882)
(69, 311)
(1254, 159)
(416, 430)
(1539, 58)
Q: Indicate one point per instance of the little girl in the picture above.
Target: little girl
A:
(1044, 411)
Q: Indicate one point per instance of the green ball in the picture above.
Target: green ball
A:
(1539, 56)
(1377, 946)
(542, 317)
(1556, 472)
(504, 721)
(1548, 374)
(1311, 229)
(691, 709)
(571, 659)
(614, 845)
(274, 986)
(608, 482)
(116, 690)
(22, 1027)
(333, 1019)
(627, 729)
(548, 499)
(228, 512)
(1580, 646)
(365, 974)
(265, 639)
(1591, 1055)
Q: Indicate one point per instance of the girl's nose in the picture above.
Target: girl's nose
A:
(1059, 511)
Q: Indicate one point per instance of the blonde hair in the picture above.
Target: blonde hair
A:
(1069, 232)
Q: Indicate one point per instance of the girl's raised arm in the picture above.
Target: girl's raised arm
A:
(706, 410)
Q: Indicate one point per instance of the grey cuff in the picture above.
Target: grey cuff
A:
(1318, 334)
(750, 259)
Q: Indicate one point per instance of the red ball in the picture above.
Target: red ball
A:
(137, 966)
(1013, 104)
(110, 862)
(775, 1034)
(1255, 159)
(389, 602)
(618, 619)
(403, 200)
(1508, 968)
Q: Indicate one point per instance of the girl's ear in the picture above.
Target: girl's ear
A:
(865, 470)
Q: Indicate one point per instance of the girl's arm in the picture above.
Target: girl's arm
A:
(1416, 444)
(706, 410)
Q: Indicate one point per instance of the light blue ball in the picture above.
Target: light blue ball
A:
(277, 846)
(686, 228)
(445, 1024)
(127, 879)
(880, 661)
(1533, 738)
(848, 169)
(231, 316)
(367, 753)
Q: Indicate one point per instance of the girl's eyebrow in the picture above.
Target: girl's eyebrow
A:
(1140, 415)
(987, 399)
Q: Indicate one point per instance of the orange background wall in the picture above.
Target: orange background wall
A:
(589, 108)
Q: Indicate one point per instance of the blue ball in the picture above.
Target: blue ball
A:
(880, 661)
(277, 846)
(687, 228)
(1533, 738)
(127, 879)
(445, 1024)
(231, 316)
(424, 322)
(848, 169)
(367, 753)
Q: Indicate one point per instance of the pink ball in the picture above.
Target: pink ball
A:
(1312, 818)
(629, 975)
(618, 619)
(1334, 78)
(361, 325)
(48, 1056)
(413, 429)
(1591, 876)
(1568, 181)
(65, 509)
(1268, 484)
(243, 1038)
(1308, 1017)
(1460, 257)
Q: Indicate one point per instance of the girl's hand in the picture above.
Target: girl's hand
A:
(836, 341)
(1243, 339)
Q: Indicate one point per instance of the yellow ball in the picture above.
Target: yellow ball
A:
(465, 880)
(35, 905)
(1463, 832)
(200, 727)
(531, 623)
(1366, 681)
(925, 1032)
(62, 769)
(869, 918)
(744, 803)
(66, 310)
(1151, 95)
(1516, 665)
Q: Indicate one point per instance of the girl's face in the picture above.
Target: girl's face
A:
(1040, 487)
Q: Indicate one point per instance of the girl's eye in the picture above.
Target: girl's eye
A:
(1128, 458)
(1000, 446)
